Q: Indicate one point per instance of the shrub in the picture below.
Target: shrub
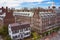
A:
(4, 32)
(7, 38)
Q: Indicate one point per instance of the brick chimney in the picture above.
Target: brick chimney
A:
(36, 13)
(3, 10)
(9, 18)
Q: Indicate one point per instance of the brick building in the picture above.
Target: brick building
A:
(21, 17)
(6, 16)
(19, 31)
(41, 20)
(46, 20)
(9, 18)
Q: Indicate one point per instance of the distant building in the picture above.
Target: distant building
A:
(19, 31)
(46, 20)
(41, 20)
(21, 17)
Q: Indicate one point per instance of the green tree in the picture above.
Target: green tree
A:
(7, 38)
(4, 31)
(35, 36)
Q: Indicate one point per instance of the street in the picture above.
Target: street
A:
(54, 36)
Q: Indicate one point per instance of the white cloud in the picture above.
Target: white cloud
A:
(15, 3)
(49, 2)
(52, 3)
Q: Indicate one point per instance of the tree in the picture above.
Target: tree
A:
(1, 31)
(7, 37)
(35, 36)
(5, 30)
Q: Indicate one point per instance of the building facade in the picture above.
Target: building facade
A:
(19, 31)
(46, 20)
(21, 17)
(6, 16)
(9, 18)
(41, 20)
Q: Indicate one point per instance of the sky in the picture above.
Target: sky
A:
(28, 3)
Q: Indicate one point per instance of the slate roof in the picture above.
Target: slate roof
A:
(17, 26)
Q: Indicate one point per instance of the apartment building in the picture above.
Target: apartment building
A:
(21, 17)
(46, 20)
(19, 31)
(41, 20)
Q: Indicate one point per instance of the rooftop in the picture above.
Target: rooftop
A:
(17, 26)
(29, 14)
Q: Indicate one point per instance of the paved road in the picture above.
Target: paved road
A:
(54, 36)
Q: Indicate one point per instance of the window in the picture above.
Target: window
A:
(29, 28)
(27, 33)
(21, 30)
(26, 29)
(16, 31)
(14, 37)
(17, 36)
(21, 35)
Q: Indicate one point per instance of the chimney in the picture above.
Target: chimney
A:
(6, 9)
(2, 9)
